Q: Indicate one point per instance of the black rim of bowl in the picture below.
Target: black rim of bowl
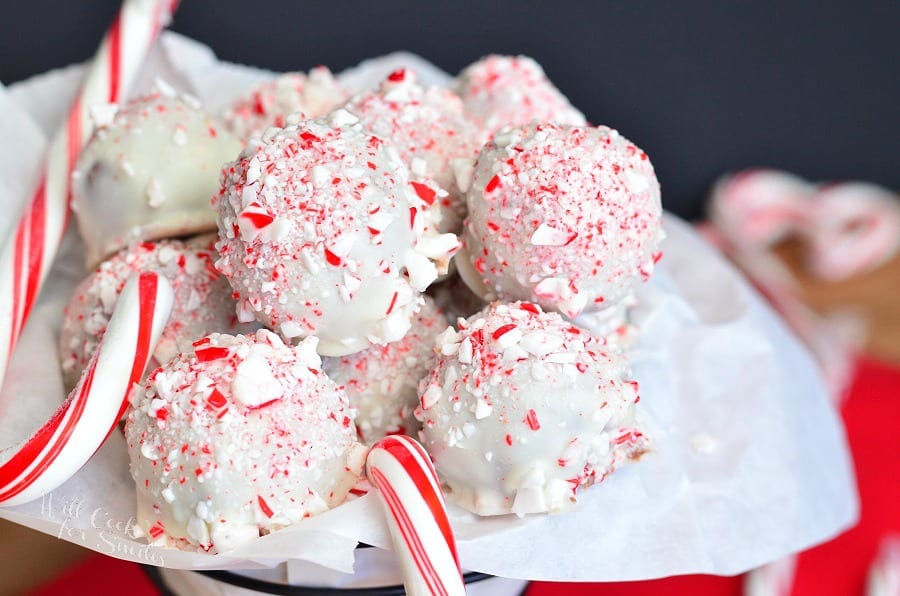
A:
(258, 585)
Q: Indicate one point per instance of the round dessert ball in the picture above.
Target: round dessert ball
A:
(237, 438)
(522, 409)
(203, 302)
(271, 102)
(382, 382)
(500, 91)
(428, 129)
(568, 217)
(149, 173)
(321, 233)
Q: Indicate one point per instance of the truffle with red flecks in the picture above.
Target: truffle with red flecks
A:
(321, 233)
(428, 129)
(271, 102)
(237, 438)
(382, 382)
(203, 302)
(523, 409)
(500, 91)
(568, 217)
(148, 173)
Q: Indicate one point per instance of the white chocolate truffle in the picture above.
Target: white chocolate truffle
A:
(428, 129)
(523, 409)
(321, 234)
(203, 302)
(238, 438)
(568, 217)
(382, 382)
(148, 174)
(500, 91)
(270, 103)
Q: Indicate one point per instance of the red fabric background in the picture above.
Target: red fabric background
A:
(872, 417)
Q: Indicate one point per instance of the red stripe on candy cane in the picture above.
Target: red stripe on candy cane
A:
(52, 437)
(18, 268)
(56, 432)
(37, 218)
(422, 474)
(402, 471)
(429, 468)
(75, 133)
(148, 287)
(81, 424)
(115, 58)
(30, 251)
(408, 531)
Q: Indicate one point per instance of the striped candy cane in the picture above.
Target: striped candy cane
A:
(28, 253)
(86, 418)
(850, 228)
(884, 573)
(773, 579)
(854, 228)
(417, 516)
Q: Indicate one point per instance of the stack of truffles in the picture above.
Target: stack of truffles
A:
(455, 264)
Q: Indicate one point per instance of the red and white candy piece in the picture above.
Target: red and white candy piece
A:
(417, 516)
(884, 573)
(59, 448)
(27, 254)
(854, 228)
(758, 208)
(773, 579)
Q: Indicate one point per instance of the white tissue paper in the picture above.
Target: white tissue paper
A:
(749, 461)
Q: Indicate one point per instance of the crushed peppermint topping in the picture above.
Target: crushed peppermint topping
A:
(316, 239)
(555, 216)
(203, 302)
(382, 382)
(270, 103)
(429, 131)
(228, 448)
(500, 91)
(549, 401)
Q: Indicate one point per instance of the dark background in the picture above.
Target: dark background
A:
(704, 86)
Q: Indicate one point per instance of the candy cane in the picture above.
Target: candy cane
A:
(411, 496)
(850, 228)
(854, 228)
(85, 419)
(884, 573)
(29, 251)
(757, 208)
(772, 579)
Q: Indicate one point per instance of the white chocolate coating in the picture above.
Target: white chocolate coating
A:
(148, 174)
(238, 438)
(500, 91)
(203, 302)
(568, 217)
(321, 234)
(523, 409)
(270, 103)
(427, 128)
(382, 382)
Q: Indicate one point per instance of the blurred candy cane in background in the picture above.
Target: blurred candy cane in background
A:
(848, 229)
(884, 575)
